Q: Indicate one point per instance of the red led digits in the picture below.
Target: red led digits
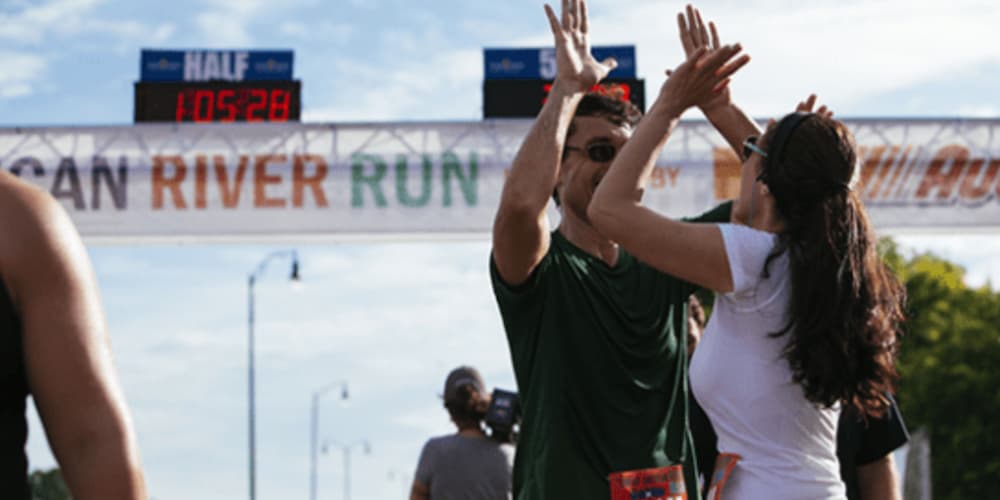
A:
(252, 104)
(280, 100)
(258, 101)
(204, 106)
(179, 110)
(227, 105)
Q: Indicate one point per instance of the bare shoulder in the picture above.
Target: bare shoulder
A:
(27, 212)
(14, 190)
(35, 227)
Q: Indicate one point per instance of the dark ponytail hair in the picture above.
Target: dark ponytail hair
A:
(468, 408)
(846, 306)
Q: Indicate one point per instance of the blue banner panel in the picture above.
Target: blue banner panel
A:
(215, 65)
(540, 63)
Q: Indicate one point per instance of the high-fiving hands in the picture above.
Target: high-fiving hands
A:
(576, 65)
(695, 35)
(701, 78)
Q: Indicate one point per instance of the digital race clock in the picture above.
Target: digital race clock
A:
(524, 98)
(218, 101)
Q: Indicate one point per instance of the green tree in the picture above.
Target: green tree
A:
(48, 485)
(949, 367)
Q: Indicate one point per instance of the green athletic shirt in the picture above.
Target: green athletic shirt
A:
(599, 354)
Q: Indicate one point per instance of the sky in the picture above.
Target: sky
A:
(392, 318)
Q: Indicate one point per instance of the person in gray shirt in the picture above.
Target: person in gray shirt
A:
(467, 465)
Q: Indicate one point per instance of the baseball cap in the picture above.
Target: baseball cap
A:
(463, 375)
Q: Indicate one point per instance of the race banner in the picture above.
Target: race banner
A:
(184, 182)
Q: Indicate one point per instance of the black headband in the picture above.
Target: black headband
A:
(776, 146)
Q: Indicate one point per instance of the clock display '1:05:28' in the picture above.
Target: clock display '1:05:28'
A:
(218, 101)
(229, 105)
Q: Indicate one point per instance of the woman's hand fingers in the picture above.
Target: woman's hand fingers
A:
(702, 30)
(733, 66)
(685, 34)
(716, 59)
(692, 22)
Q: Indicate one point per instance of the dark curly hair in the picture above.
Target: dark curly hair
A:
(846, 306)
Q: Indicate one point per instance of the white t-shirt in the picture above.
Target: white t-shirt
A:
(739, 376)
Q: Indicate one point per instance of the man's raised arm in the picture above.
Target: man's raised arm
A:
(521, 228)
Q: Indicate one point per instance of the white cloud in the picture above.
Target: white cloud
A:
(980, 111)
(976, 252)
(244, 8)
(854, 51)
(70, 25)
(227, 23)
(843, 52)
(127, 32)
(294, 28)
(324, 31)
(76, 19)
(449, 79)
(22, 71)
(17, 89)
(33, 22)
(223, 29)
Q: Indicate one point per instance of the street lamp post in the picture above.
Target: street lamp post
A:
(251, 401)
(346, 449)
(314, 429)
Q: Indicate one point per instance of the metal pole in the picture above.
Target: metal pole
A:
(314, 431)
(347, 473)
(251, 408)
(312, 446)
(251, 391)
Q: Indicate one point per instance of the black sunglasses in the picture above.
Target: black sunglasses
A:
(600, 152)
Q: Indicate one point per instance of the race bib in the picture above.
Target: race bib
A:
(661, 483)
(724, 465)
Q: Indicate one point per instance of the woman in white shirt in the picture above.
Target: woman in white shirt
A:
(806, 316)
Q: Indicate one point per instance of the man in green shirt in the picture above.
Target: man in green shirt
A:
(597, 338)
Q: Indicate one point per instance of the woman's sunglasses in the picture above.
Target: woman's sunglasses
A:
(600, 152)
(750, 147)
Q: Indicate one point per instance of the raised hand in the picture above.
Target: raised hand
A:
(701, 78)
(808, 105)
(693, 32)
(576, 66)
(695, 35)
